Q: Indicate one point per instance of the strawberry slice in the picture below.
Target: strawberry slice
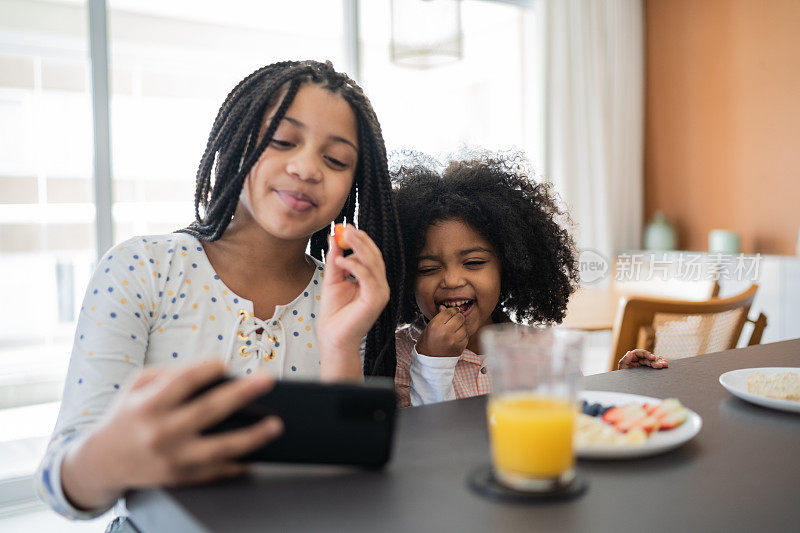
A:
(670, 405)
(672, 420)
(648, 424)
(670, 413)
(627, 417)
(613, 415)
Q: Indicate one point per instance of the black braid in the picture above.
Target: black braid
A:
(234, 146)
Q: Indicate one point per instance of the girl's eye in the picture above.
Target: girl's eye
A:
(335, 162)
(282, 144)
(426, 270)
(475, 263)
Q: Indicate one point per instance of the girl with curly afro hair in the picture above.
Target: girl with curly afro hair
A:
(484, 243)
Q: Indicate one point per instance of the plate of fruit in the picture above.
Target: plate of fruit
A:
(616, 425)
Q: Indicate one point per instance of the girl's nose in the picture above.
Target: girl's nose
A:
(304, 166)
(452, 278)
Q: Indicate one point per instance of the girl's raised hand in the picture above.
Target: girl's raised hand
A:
(152, 435)
(349, 307)
(445, 335)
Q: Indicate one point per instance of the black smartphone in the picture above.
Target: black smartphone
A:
(337, 423)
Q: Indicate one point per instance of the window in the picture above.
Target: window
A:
(487, 99)
(47, 214)
(172, 64)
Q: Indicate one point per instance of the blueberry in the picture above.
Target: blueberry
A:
(593, 409)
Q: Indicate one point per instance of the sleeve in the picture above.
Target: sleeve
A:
(402, 379)
(110, 345)
(431, 378)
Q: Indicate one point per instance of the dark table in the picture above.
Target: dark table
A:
(741, 473)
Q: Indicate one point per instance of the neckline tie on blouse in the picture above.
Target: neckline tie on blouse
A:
(244, 333)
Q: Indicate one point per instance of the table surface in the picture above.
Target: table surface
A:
(739, 474)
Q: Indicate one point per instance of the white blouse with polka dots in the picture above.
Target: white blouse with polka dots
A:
(156, 300)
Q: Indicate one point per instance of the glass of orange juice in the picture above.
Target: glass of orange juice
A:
(532, 408)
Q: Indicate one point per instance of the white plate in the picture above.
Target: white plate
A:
(658, 442)
(736, 382)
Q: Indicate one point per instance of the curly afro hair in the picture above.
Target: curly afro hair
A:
(520, 218)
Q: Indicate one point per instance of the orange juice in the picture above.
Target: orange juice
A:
(531, 435)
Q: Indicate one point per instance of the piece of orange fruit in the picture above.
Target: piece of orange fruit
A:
(338, 234)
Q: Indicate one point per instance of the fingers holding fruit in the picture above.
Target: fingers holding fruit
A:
(350, 305)
(365, 252)
(445, 335)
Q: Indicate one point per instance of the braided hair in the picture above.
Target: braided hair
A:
(234, 146)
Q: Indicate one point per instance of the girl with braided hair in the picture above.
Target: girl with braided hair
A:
(294, 147)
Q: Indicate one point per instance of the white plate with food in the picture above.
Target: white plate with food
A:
(775, 387)
(639, 426)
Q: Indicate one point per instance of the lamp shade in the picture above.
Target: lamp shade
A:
(426, 33)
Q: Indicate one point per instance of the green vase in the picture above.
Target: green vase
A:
(659, 234)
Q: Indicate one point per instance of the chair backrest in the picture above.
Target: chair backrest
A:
(676, 328)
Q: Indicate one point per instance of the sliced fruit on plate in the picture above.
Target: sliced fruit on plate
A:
(670, 413)
(592, 432)
(593, 409)
(648, 424)
(632, 416)
(617, 413)
(662, 416)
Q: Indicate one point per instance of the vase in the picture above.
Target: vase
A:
(659, 234)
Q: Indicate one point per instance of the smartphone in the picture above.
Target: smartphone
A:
(337, 423)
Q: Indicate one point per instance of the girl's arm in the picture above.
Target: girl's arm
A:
(109, 347)
(96, 452)
(431, 378)
(349, 308)
(152, 436)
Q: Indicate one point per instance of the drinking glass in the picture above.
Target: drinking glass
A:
(532, 407)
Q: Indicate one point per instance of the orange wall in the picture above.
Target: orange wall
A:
(722, 130)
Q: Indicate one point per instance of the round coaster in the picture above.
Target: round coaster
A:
(482, 481)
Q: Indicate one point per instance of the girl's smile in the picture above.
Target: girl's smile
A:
(464, 305)
(296, 200)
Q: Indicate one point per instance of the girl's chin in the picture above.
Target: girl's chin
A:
(286, 232)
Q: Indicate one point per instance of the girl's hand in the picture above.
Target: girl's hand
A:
(641, 357)
(445, 335)
(349, 308)
(152, 435)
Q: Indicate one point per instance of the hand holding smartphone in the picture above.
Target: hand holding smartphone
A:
(343, 424)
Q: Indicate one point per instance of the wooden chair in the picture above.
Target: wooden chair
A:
(675, 328)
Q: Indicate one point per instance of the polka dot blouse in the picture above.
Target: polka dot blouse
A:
(156, 300)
